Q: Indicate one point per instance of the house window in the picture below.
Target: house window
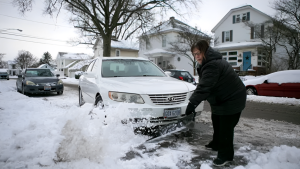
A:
(259, 57)
(164, 41)
(233, 63)
(232, 53)
(224, 53)
(117, 52)
(264, 64)
(244, 18)
(238, 18)
(259, 63)
(62, 63)
(227, 36)
(232, 58)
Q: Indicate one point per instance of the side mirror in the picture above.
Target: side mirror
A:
(266, 81)
(168, 73)
(57, 75)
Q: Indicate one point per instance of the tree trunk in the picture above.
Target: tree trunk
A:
(106, 46)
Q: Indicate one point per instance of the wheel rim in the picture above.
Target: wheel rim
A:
(250, 91)
(99, 103)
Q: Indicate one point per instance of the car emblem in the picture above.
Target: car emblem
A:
(171, 99)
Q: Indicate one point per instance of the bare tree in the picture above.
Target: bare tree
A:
(187, 36)
(108, 18)
(25, 59)
(288, 21)
(269, 34)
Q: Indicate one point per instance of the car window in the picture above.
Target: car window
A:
(129, 68)
(38, 73)
(89, 69)
(185, 74)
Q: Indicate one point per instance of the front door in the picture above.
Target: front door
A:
(246, 61)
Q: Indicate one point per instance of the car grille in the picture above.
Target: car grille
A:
(168, 99)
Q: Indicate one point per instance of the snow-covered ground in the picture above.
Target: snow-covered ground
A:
(52, 131)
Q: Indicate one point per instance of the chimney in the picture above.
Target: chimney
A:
(172, 17)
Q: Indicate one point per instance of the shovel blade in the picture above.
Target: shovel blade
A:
(165, 129)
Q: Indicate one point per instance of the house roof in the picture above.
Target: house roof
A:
(80, 64)
(73, 56)
(70, 64)
(234, 10)
(170, 25)
(10, 62)
(229, 46)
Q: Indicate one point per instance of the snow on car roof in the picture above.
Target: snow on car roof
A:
(286, 76)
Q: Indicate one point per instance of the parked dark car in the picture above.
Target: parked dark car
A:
(279, 84)
(4, 74)
(181, 75)
(36, 81)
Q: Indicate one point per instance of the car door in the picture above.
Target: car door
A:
(91, 85)
(270, 89)
(84, 83)
(291, 85)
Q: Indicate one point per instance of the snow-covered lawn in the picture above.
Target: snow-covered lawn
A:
(54, 132)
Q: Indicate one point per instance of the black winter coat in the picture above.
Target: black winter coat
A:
(220, 85)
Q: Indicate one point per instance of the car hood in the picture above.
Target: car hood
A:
(42, 79)
(147, 85)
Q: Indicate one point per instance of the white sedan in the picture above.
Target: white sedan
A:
(149, 92)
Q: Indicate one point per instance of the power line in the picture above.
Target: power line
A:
(38, 42)
(35, 21)
(28, 36)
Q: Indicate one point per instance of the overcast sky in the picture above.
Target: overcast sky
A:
(51, 34)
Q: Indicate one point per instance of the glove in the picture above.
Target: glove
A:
(190, 109)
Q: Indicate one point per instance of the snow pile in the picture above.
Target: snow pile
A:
(277, 100)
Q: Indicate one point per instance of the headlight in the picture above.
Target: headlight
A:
(126, 97)
(60, 82)
(30, 83)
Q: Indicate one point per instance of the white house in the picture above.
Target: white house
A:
(66, 60)
(118, 48)
(156, 46)
(46, 66)
(238, 43)
(79, 66)
(13, 69)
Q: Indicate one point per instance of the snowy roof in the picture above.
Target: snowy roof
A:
(70, 64)
(233, 10)
(10, 62)
(171, 25)
(74, 56)
(80, 64)
(122, 44)
(224, 46)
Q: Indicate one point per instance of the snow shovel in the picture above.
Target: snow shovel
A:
(165, 129)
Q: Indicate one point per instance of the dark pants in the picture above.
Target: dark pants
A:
(223, 134)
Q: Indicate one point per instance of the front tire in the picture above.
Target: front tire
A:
(81, 101)
(251, 91)
(99, 102)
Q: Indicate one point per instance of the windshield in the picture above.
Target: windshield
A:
(129, 68)
(3, 73)
(38, 73)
